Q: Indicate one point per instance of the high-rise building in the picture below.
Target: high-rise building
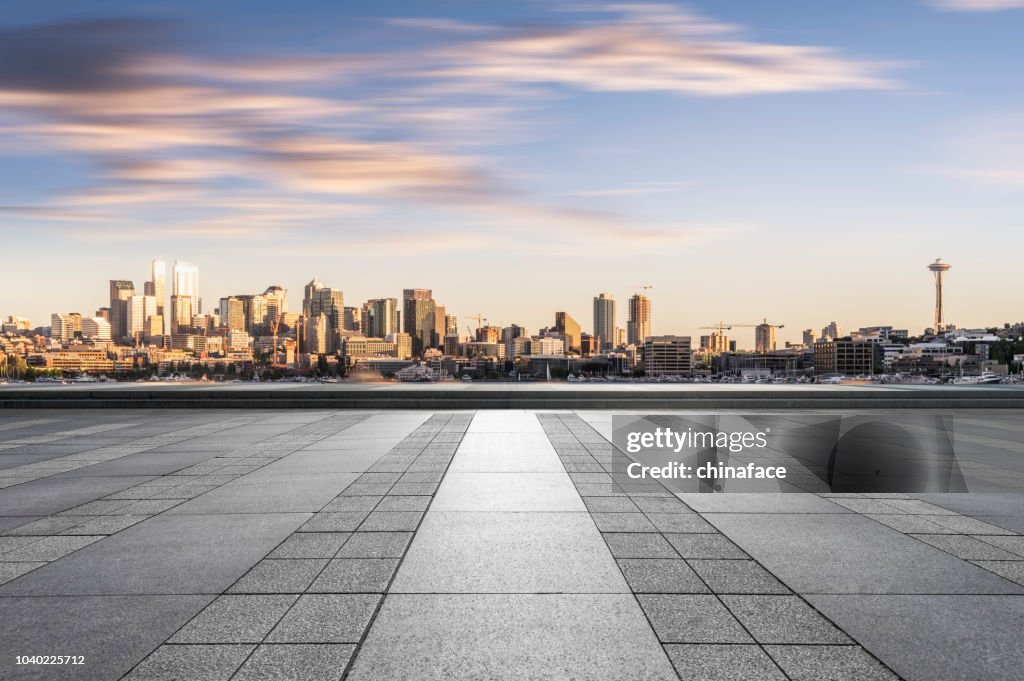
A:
(317, 331)
(809, 337)
(321, 299)
(667, 356)
(832, 331)
(764, 338)
(381, 318)
(120, 291)
(638, 325)
(570, 328)
(354, 319)
(182, 311)
(140, 309)
(451, 325)
(232, 313)
(277, 303)
(185, 300)
(65, 327)
(508, 336)
(419, 309)
(157, 287)
(604, 320)
(96, 329)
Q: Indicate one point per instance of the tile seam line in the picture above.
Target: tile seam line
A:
(362, 418)
(758, 563)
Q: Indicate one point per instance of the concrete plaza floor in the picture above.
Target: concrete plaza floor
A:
(498, 544)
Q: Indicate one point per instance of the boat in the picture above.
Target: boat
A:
(985, 378)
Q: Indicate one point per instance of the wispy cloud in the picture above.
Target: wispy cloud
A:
(208, 146)
(976, 5)
(639, 48)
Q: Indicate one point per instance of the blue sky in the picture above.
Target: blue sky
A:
(801, 161)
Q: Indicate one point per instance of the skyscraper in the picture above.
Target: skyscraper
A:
(330, 302)
(120, 291)
(638, 326)
(140, 310)
(419, 308)
(185, 300)
(381, 317)
(604, 320)
(764, 338)
(570, 328)
(157, 287)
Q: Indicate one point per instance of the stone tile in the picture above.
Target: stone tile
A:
(345, 521)
(935, 638)
(622, 522)
(458, 552)
(400, 503)
(326, 618)
(680, 522)
(9, 544)
(661, 505)
(600, 490)
(783, 619)
(750, 502)
(352, 504)
(165, 554)
(737, 577)
(661, 575)
(910, 524)
(1014, 544)
(1012, 570)
(296, 662)
(414, 488)
(9, 571)
(848, 553)
(279, 576)
(965, 547)
(610, 505)
(113, 632)
(691, 619)
(966, 525)
(391, 521)
(355, 575)
(874, 506)
(150, 506)
(109, 524)
(638, 545)
(829, 663)
(541, 492)
(50, 548)
(43, 527)
(919, 507)
(310, 545)
(288, 494)
(235, 619)
(174, 662)
(510, 637)
(712, 662)
(375, 545)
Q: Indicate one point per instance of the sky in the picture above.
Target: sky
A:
(793, 160)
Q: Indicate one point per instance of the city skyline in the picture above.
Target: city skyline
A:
(791, 163)
(187, 277)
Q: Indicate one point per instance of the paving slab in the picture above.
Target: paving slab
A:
(295, 494)
(509, 637)
(716, 662)
(112, 632)
(164, 555)
(48, 496)
(541, 492)
(935, 638)
(457, 552)
(848, 553)
(296, 662)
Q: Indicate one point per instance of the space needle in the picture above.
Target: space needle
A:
(939, 267)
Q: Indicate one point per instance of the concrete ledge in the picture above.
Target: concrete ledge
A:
(512, 397)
